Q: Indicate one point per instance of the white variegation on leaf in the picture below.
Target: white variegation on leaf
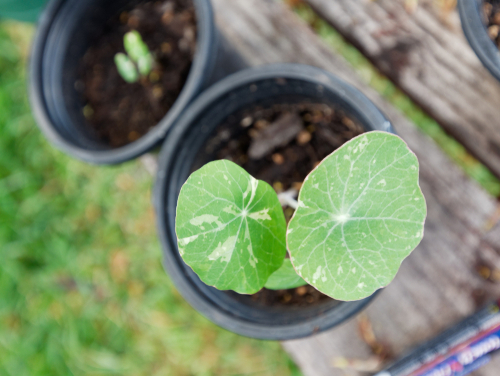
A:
(230, 228)
(360, 214)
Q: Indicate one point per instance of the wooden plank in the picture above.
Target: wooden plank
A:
(427, 56)
(438, 284)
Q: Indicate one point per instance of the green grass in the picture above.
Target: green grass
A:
(472, 167)
(82, 288)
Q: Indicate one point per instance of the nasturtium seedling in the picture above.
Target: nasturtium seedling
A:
(138, 61)
(360, 212)
(230, 228)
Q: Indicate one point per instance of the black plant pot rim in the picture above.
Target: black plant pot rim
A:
(203, 64)
(476, 33)
(164, 188)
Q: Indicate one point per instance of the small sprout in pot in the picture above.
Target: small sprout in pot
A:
(359, 214)
(139, 60)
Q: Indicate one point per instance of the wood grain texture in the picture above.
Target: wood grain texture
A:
(427, 56)
(438, 285)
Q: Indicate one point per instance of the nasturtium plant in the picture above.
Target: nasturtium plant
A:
(360, 212)
(230, 228)
(138, 61)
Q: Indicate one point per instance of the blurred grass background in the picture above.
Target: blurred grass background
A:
(82, 288)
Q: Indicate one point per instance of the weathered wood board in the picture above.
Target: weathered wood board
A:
(438, 285)
(426, 54)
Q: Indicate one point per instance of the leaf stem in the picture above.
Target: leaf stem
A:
(289, 198)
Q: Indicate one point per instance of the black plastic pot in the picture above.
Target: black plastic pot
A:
(66, 29)
(265, 86)
(473, 24)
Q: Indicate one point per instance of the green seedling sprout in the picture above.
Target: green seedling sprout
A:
(137, 62)
(359, 214)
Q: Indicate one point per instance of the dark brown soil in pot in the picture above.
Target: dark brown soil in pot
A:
(120, 112)
(281, 145)
(491, 10)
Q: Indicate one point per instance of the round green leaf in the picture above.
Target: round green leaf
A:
(230, 228)
(361, 213)
(284, 278)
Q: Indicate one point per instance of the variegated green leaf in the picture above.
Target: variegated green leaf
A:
(230, 228)
(361, 212)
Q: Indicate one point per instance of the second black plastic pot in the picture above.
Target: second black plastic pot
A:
(264, 86)
(473, 24)
(66, 29)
